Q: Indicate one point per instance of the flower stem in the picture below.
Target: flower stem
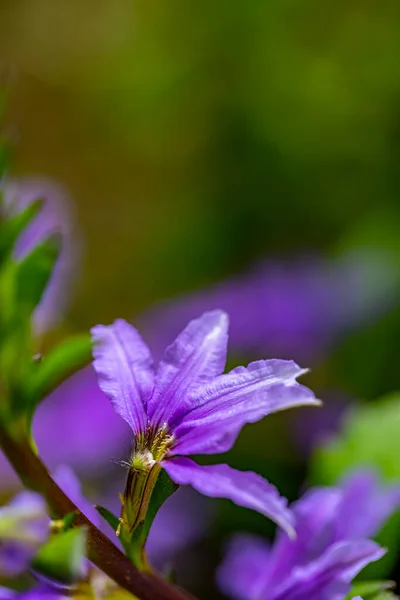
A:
(101, 551)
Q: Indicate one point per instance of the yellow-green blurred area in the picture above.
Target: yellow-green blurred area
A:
(195, 137)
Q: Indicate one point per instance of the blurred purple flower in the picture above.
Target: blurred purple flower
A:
(24, 527)
(54, 218)
(43, 592)
(68, 426)
(294, 309)
(187, 406)
(332, 545)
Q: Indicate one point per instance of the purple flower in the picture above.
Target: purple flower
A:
(332, 545)
(43, 592)
(54, 218)
(188, 407)
(24, 527)
(294, 308)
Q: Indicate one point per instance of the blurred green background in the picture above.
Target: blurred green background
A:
(195, 137)
(198, 138)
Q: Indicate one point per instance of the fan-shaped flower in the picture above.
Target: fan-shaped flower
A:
(188, 407)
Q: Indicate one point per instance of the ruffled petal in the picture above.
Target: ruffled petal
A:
(329, 577)
(242, 487)
(124, 369)
(245, 395)
(197, 355)
(242, 573)
(315, 513)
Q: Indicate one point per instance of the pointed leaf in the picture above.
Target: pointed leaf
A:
(63, 557)
(111, 519)
(61, 362)
(33, 274)
(69, 520)
(12, 228)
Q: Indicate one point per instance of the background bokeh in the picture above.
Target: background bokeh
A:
(201, 141)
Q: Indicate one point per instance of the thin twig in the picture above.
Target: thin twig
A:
(101, 551)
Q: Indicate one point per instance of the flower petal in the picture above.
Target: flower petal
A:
(245, 395)
(124, 370)
(66, 479)
(365, 506)
(242, 487)
(197, 355)
(329, 577)
(243, 568)
(315, 515)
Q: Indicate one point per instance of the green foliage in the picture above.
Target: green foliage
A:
(26, 380)
(62, 558)
(108, 516)
(33, 273)
(12, 228)
(369, 438)
(372, 590)
(68, 521)
(63, 360)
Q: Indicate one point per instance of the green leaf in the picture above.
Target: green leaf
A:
(63, 557)
(111, 519)
(69, 520)
(33, 274)
(63, 360)
(12, 228)
(369, 436)
(371, 590)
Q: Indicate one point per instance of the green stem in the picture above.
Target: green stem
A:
(101, 551)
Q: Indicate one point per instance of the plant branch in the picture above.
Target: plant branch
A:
(101, 551)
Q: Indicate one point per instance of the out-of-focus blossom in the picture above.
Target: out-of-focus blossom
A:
(24, 527)
(188, 406)
(54, 217)
(76, 426)
(180, 522)
(296, 309)
(331, 547)
(43, 592)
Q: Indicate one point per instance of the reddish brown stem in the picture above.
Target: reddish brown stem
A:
(101, 551)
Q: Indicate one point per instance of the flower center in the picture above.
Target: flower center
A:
(150, 447)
